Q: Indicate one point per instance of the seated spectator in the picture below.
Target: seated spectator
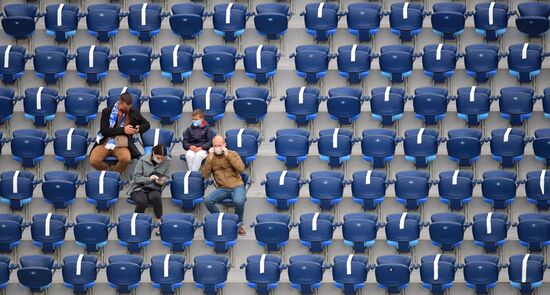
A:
(197, 139)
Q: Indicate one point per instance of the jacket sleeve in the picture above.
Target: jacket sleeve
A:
(235, 161)
(105, 128)
(186, 136)
(207, 168)
(142, 122)
(139, 177)
(209, 135)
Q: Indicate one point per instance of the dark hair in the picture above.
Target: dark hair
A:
(198, 112)
(159, 149)
(125, 98)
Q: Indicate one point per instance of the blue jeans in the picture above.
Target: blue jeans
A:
(237, 194)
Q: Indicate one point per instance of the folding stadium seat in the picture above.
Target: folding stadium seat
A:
(271, 19)
(525, 61)
(59, 188)
(50, 62)
(420, 146)
(134, 231)
(349, 272)
(305, 272)
(430, 104)
(102, 188)
(187, 189)
(16, 188)
(19, 20)
(533, 18)
(439, 60)
(473, 104)
(387, 104)
(291, 146)
(220, 231)
(464, 146)
(540, 145)
(499, 188)
(311, 62)
(144, 20)
(71, 146)
(368, 188)
(507, 146)
(166, 104)
(11, 231)
(272, 230)
(177, 231)
(210, 272)
(114, 94)
(412, 188)
(187, 20)
(260, 62)
(153, 137)
(363, 20)
(5, 271)
(437, 272)
(91, 231)
(245, 142)
(481, 61)
(516, 104)
(534, 231)
(28, 146)
(447, 230)
(403, 230)
(124, 272)
(406, 19)
(40, 105)
(335, 146)
(537, 189)
(167, 272)
(315, 230)
(326, 188)
(212, 100)
(251, 104)
(481, 272)
(134, 62)
(456, 188)
(92, 62)
(491, 19)
(176, 62)
(80, 272)
(344, 104)
(302, 104)
(13, 66)
(526, 272)
(359, 231)
(7, 101)
(321, 19)
(393, 272)
(61, 21)
(35, 272)
(396, 62)
(354, 62)
(282, 188)
(378, 146)
(448, 19)
(103, 20)
(48, 231)
(218, 62)
(229, 20)
(263, 272)
(490, 230)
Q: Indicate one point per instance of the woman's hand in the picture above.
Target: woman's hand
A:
(153, 178)
(159, 181)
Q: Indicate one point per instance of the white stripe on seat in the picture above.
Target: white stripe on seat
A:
(541, 181)
(387, 93)
(314, 221)
(207, 98)
(320, 10)
(368, 176)
(419, 136)
(282, 177)
(219, 225)
(472, 93)
(102, 182)
(402, 221)
(348, 264)
(91, 56)
(491, 9)
(39, 98)
(262, 263)
(228, 13)
(186, 182)
(124, 89)
(455, 177)
(405, 10)
(79, 264)
(157, 135)
(7, 57)
(335, 138)
(353, 50)
(436, 267)
(14, 182)
(259, 57)
(240, 138)
(47, 225)
(301, 95)
(166, 271)
(524, 51)
(438, 52)
(488, 224)
(133, 224)
(507, 134)
(524, 268)
(144, 14)
(175, 56)
(70, 139)
(60, 15)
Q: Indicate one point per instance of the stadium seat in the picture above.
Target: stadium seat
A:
(102, 188)
(534, 231)
(311, 62)
(490, 230)
(481, 61)
(491, 19)
(473, 104)
(302, 104)
(532, 18)
(220, 231)
(526, 272)
(71, 146)
(167, 272)
(229, 20)
(134, 231)
(396, 62)
(80, 272)
(212, 100)
(251, 104)
(456, 188)
(59, 188)
(326, 188)
(412, 188)
(13, 66)
(263, 272)
(359, 231)
(349, 272)
(28, 146)
(378, 146)
(540, 145)
(91, 231)
(437, 272)
(448, 19)
(11, 231)
(245, 142)
(272, 230)
(393, 272)
(315, 231)
(16, 188)
(406, 19)
(92, 62)
(18, 20)
(525, 61)
(354, 62)
(5, 271)
(187, 189)
(50, 62)
(177, 231)
(114, 94)
(124, 272)
(516, 104)
(464, 146)
(35, 272)
(321, 20)
(176, 62)
(305, 272)
(103, 20)
(335, 146)
(282, 188)
(439, 60)
(271, 19)
(81, 105)
(507, 146)
(403, 231)
(368, 188)
(187, 20)
(61, 21)
(134, 62)
(48, 231)
(153, 137)
(144, 20)
(421, 146)
(499, 188)
(210, 272)
(363, 20)
(7, 102)
(481, 272)
(218, 62)
(447, 230)
(40, 105)
(166, 104)
(344, 104)
(537, 189)
(292, 146)
(387, 104)
(260, 62)
(430, 104)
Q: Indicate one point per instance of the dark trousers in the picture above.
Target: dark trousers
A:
(144, 199)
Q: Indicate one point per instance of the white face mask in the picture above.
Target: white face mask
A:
(218, 151)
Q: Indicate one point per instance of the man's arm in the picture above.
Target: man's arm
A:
(209, 135)
(105, 128)
(207, 168)
(142, 122)
(235, 161)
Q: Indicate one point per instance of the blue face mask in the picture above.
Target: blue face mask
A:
(197, 123)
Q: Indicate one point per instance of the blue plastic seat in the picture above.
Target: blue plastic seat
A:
(187, 20)
(11, 231)
(481, 61)
(354, 62)
(393, 273)
(311, 62)
(315, 231)
(534, 231)
(166, 104)
(144, 20)
(344, 104)
(421, 146)
(229, 20)
(212, 100)
(124, 272)
(464, 146)
(102, 189)
(456, 188)
(439, 60)
(167, 272)
(387, 104)
(437, 273)
(447, 230)
(473, 104)
(92, 63)
(114, 94)
(50, 62)
(260, 62)
(272, 230)
(305, 273)
(507, 146)
(533, 18)
(292, 146)
(80, 272)
(349, 272)
(537, 189)
(378, 146)
(490, 230)
(335, 146)
(363, 20)
(19, 20)
(134, 231)
(326, 188)
(262, 272)
(403, 231)
(48, 231)
(91, 231)
(218, 62)
(412, 188)
(302, 104)
(134, 62)
(176, 62)
(368, 188)
(430, 104)
(541, 144)
(526, 272)
(525, 61)
(499, 188)
(282, 188)
(516, 104)
(491, 19)
(251, 104)
(359, 231)
(406, 19)
(220, 231)
(16, 188)
(153, 137)
(481, 272)
(35, 272)
(28, 146)
(210, 273)
(59, 188)
(187, 189)
(321, 19)
(103, 20)
(7, 102)
(245, 142)
(71, 146)
(177, 231)
(448, 19)
(271, 19)
(14, 59)
(40, 104)
(396, 62)
(61, 21)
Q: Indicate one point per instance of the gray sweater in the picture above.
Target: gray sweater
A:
(144, 169)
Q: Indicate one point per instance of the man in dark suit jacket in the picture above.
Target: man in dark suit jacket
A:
(128, 122)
